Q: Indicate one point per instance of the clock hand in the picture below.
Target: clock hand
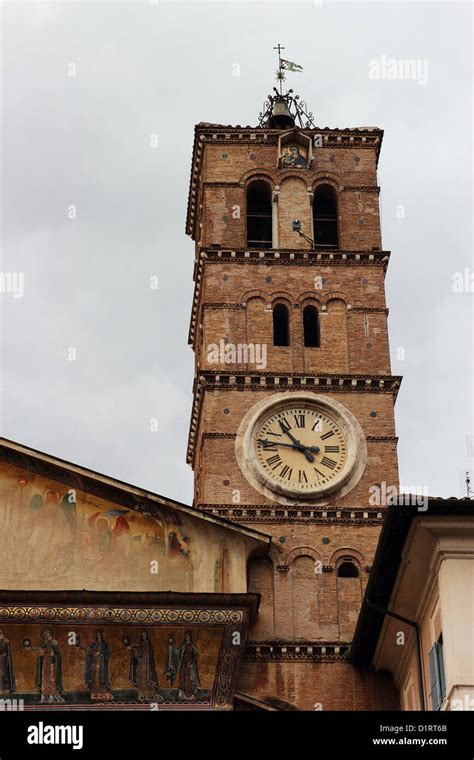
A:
(276, 443)
(287, 432)
(299, 445)
(306, 450)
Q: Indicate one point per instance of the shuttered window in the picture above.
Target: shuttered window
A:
(437, 680)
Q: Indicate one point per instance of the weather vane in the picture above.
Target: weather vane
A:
(284, 65)
(284, 110)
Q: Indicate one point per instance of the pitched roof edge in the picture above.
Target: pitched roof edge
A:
(49, 466)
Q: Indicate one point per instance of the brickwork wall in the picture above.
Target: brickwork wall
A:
(228, 170)
(319, 685)
(354, 338)
(222, 412)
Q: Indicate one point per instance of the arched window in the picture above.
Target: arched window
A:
(281, 325)
(311, 326)
(259, 215)
(347, 569)
(325, 217)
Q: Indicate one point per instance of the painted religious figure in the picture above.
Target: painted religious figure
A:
(48, 680)
(188, 674)
(7, 678)
(292, 156)
(96, 668)
(142, 672)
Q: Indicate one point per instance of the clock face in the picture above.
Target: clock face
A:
(301, 447)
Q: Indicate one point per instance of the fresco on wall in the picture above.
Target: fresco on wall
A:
(62, 665)
(55, 537)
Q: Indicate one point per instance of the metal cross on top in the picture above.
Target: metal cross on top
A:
(280, 74)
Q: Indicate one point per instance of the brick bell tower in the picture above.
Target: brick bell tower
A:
(292, 428)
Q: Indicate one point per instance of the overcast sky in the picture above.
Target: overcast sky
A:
(84, 140)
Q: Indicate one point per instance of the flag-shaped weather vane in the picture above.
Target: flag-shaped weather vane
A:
(285, 65)
(285, 110)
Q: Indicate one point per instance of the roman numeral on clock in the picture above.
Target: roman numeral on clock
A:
(299, 420)
(286, 472)
(274, 461)
(328, 462)
(302, 477)
(333, 449)
(327, 435)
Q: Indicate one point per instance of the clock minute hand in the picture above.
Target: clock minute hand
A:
(296, 445)
(276, 443)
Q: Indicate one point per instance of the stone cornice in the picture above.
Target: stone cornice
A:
(359, 138)
(265, 381)
(264, 513)
(319, 651)
(369, 438)
(281, 257)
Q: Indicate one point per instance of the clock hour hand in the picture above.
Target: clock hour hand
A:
(287, 432)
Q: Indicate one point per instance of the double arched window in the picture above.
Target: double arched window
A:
(281, 326)
(259, 215)
(325, 217)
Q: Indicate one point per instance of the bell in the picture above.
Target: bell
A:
(281, 117)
